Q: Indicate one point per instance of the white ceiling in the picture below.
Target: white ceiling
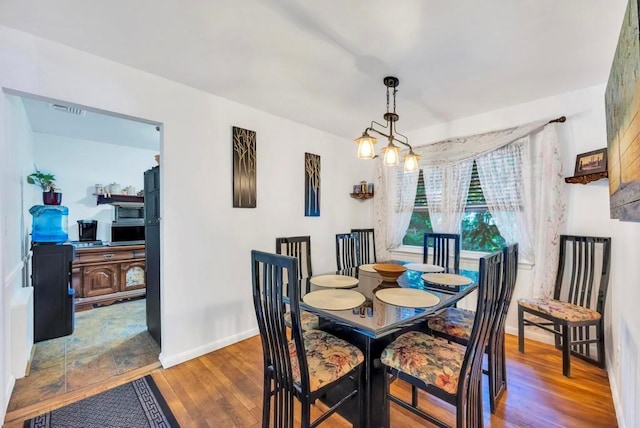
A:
(321, 62)
(91, 126)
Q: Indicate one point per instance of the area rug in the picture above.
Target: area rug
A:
(135, 404)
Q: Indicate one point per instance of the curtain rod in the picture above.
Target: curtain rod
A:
(561, 119)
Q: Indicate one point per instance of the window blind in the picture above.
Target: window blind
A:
(509, 161)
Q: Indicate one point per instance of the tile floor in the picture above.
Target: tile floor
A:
(106, 341)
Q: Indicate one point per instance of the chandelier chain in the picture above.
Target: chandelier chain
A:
(387, 99)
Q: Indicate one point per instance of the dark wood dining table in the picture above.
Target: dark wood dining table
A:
(372, 332)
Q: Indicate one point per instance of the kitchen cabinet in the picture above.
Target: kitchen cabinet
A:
(104, 275)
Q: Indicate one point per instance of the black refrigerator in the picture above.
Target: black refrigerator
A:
(152, 249)
(53, 298)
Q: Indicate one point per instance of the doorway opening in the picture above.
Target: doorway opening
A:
(99, 160)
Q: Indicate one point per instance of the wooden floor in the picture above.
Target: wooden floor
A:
(224, 389)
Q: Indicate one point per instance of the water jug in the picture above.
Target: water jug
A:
(50, 223)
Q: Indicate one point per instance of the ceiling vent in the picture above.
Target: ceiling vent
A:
(66, 109)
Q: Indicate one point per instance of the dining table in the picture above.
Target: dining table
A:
(374, 323)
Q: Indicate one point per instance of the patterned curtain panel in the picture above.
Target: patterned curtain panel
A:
(549, 208)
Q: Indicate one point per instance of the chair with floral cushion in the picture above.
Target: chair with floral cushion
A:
(300, 248)
(576, 311)
(447, 370)
(309, 364)
(445, 246)
(455, 324)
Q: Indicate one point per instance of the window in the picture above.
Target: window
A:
(478, 231)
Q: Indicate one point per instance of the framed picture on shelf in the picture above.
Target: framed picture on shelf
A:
(591, 162)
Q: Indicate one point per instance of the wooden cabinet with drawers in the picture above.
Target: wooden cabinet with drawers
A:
(103, 275)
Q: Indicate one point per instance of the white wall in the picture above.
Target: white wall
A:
(16, 142)
(80, 164)
(588, 214)
(206, 294)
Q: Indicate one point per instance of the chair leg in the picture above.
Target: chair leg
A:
(387, 400)
(266, 402)
(520, 329)
(414, 396)
(305, 417)
(601, 351)
(566, 350)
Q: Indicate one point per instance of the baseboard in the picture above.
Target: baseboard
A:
(7, 394)
(538, 336)
(14, 273)
(617, 402)
(172, 360)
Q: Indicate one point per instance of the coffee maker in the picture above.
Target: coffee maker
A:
(87, 230)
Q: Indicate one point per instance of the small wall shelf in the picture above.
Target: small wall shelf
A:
(102, 199)
(587, 178)
(362, 196)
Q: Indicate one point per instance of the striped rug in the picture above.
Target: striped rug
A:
(135, 404)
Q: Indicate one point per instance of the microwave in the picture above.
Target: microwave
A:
(130, 233)
(129, 213)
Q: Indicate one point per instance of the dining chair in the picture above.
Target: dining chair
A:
(300, 248)
(456, 324)
(347, 250)
(449, 371)
(576, 311)
(445, 246)
(306, 366)
(367, 240)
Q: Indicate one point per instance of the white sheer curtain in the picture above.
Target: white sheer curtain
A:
(543, 203)
(549, 208)
(393, 206)
(446, 188)
(502, 175)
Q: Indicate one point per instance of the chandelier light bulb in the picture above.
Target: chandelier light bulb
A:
(411, 162)
(365, 146)
(391, 155)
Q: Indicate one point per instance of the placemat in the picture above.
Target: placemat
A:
(367, 268)
(334, 281)
(446, 279)
(421, 267)
(408, 297)
(334, 300)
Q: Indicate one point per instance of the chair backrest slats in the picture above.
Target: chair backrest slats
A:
(300, 248)
(367, 245)
(273, 277)
(489, 283)
(510, 275)
(583, 271)
(445, 246)
(347, 250)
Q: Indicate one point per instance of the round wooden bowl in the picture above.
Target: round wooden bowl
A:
(389, 272)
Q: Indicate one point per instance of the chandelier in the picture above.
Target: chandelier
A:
(391, 153)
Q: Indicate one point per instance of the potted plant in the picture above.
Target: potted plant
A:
(46, 181)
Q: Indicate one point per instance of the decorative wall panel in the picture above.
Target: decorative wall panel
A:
(311, 185)
(244, 168)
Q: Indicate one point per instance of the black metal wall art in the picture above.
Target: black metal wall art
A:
(311, 185)
(244, 168)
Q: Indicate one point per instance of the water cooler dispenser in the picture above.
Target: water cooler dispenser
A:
(50, 223)
(53, 294)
